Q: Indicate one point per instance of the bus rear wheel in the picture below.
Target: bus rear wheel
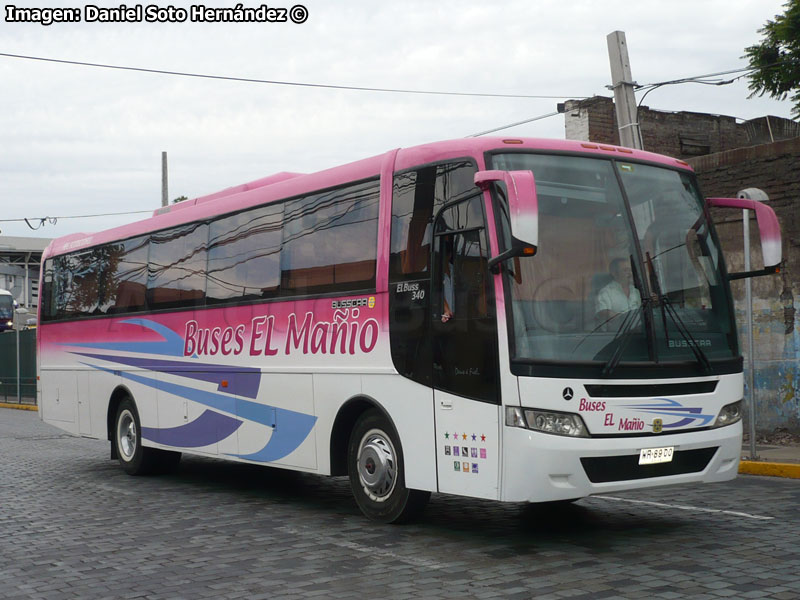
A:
(134, 458)
(375, 467)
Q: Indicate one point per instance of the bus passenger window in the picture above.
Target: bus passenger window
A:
(330, 241)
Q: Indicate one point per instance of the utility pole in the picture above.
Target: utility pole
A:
(622, 83)
(164, 186)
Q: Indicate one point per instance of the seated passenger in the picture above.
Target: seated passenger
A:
(619, 295)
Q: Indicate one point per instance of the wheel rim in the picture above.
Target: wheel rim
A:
(377, 465)
(126, 435)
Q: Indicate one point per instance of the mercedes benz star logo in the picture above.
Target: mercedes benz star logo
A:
(567, 394)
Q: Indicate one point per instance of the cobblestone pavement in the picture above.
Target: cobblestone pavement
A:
(73, 525)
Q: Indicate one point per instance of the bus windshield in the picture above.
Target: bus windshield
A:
(628, 269)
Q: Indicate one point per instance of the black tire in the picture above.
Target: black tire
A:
(134, 458)
(376, 469)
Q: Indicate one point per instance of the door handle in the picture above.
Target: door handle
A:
(446, 404)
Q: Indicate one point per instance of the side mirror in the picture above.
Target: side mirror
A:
(768, 228)
(523, 211)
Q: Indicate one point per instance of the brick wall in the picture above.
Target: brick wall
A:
(679, 134)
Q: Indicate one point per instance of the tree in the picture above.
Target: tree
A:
(179, 199)
(776, 59)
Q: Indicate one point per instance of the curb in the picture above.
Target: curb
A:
(770, 469)
(19, 406)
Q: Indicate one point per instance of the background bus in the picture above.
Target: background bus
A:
(405, 321)
(7, 304)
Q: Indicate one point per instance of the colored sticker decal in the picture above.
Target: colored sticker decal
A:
(243, 381)
(171, 346)
(673, 408)
(209, 428)
(290, 428)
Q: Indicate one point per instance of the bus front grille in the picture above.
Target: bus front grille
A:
(607, 390)
(603, 469)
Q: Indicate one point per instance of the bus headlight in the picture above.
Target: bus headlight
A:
(546, 421)
(730, 414)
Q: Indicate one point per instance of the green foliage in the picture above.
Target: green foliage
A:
(776, 59)
(179, 199)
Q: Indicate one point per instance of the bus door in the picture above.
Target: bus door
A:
(464, 353)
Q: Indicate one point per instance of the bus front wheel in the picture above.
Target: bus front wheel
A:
(375, 467)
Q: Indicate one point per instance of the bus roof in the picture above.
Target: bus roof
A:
(286, 185)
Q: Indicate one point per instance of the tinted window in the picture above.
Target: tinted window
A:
(330, 241)
(416, 196)
(77, 292)
(127, 276)
(176, 271)
(244, 255)
(47, 291)
(326, 243)
(81, 283)
(464, 327)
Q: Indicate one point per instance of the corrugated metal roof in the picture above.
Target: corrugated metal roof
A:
(15, 244)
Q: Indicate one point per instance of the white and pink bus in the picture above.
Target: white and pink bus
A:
(515, 319)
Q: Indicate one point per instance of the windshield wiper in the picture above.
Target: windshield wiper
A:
(655, 285)
(631, 319)
(668, 309)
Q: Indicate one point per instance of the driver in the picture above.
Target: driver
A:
(619, 295)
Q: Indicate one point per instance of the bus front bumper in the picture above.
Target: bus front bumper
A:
(539, 467)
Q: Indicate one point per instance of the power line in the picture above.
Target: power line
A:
(53, 220)
(288, 83)
(701, 79)
(552, 114)
(697, 78)
(133, 212)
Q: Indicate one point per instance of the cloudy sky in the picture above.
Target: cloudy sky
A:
(80, 141)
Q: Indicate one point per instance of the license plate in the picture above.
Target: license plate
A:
(651, 456)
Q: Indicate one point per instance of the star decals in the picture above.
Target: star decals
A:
(464, 435)
(474, 437)
(483, 438)
(446, 435)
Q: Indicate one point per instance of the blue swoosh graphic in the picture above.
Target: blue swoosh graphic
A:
(209, 428)
(171, 346)
(290, 428)
(673, 408)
